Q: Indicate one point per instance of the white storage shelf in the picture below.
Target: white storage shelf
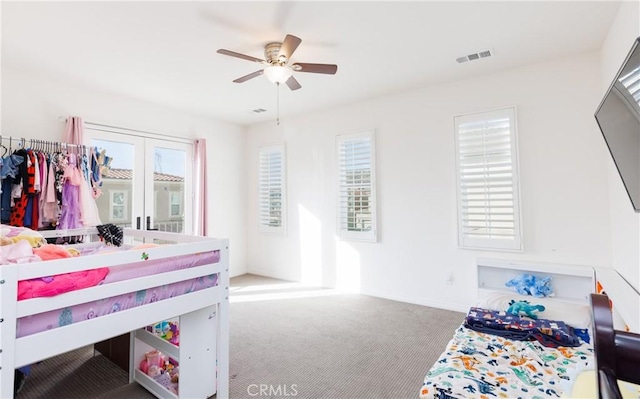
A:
(143, 342)
(158, 343)
(199, 367)
(571, 283)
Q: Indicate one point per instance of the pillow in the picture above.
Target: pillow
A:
(574, 314)
(585, 386)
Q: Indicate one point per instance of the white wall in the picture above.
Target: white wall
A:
(625, 223)
(32, 103)
(563, 185)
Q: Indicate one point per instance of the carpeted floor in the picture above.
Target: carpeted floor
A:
(288, 340)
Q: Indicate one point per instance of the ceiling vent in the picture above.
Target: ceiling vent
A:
(474, 56)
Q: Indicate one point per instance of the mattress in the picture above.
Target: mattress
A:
(480, 365)
(85, 311)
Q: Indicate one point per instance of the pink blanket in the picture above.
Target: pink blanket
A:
(60, 283)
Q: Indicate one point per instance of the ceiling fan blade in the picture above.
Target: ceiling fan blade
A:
(238, 55)
(249, 76)
(289, 45)
(329, 69)
(293, 83)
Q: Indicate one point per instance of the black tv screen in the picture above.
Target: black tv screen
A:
(619, 119)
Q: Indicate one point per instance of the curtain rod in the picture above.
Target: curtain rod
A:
(129, 131)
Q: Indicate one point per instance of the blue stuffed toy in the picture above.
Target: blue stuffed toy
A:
(528, 284)
(517, 307)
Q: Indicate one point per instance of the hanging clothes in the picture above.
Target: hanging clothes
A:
(72, 179)
(49, 186)
(8, 172)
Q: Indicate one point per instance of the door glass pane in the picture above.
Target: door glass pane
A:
(116, 199)
(169, 166)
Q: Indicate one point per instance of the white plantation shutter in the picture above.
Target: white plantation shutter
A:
(356, 186)
(271, 189)
(488, 194)
(632, 82)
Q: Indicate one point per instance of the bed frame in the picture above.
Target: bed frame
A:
(203, 353)
(617, 352)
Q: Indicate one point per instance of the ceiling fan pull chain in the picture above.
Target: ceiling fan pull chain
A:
(278, 103)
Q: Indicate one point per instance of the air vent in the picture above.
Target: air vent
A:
(259, 110)
(474, 56)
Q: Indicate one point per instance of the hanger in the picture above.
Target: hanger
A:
(3, 147)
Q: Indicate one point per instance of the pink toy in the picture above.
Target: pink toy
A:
(144, 366)
(173, 335)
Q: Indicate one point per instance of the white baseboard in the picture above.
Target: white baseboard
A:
(456, 307)
(268, 273)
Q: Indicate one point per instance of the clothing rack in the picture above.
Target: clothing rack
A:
(67, 200)
(38, 145)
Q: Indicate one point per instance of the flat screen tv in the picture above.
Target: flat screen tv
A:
(619, 119)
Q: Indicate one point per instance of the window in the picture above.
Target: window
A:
(145, 167)
(356, 186)
(488, 194)
(271, 189)
(118, 205)
(175, 203)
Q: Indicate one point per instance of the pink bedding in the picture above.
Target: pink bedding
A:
(61, 283)
(22, 245)
(85, 311)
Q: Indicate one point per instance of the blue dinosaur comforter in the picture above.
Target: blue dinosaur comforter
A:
(479, 365)
(549, 333)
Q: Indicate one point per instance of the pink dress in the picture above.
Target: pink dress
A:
(70, 213)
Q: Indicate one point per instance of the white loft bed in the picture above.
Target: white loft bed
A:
(203, 353)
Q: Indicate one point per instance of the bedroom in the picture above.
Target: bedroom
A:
(574, 209)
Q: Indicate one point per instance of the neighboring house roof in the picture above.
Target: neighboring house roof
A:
(125, 174)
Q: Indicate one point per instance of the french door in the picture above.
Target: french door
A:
(147, 181)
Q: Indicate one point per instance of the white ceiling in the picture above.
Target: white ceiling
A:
(165, 52)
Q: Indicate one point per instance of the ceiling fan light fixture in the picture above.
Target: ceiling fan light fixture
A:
(278, 74)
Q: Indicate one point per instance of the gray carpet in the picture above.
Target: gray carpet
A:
(289, 340)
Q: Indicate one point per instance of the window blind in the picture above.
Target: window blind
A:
(632, 82)
(356, 192)
(488, 195)
(272, 189)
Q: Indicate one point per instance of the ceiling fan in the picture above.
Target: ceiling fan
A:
(278, 68)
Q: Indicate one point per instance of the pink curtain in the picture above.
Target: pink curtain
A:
(200, 214)
(74, 130)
